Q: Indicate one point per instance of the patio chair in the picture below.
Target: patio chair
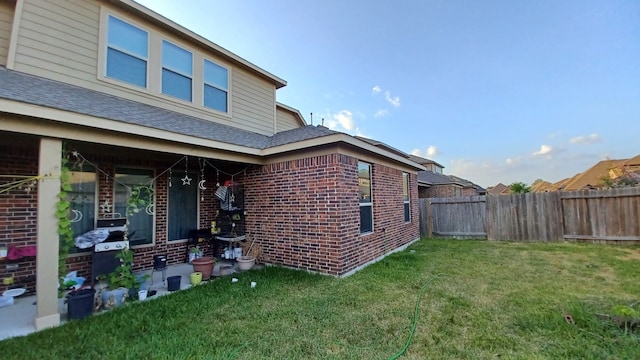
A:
(160, 264)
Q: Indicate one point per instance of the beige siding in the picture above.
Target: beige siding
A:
(60, 40)
(286, 120)
(253, 102)
(6, 20)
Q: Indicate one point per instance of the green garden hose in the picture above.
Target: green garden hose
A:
(413, 328)
(235, 351)
(415, 317)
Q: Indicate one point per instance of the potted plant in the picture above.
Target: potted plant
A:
(121, 282)
(251, 254)
(195, 253)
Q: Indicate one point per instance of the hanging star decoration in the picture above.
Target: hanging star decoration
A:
(186, 180)
(105, 206)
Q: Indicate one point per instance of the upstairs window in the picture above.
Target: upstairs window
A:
(127, 52)
(177, 71)
(364, 194)
(216, 86)
(405, 194)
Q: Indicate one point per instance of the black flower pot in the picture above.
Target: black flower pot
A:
(80, 303)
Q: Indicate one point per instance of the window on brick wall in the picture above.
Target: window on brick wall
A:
(365, 197)
(183, 207)
(406, 198)
(141, 223)
(82, 201)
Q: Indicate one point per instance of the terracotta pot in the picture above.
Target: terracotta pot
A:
(204, 265)
(245, 262)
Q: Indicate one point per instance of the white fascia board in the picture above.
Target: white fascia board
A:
(24, 109)
(340, 138)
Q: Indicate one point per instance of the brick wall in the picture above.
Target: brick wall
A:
(18, 209)
(447, 190)
(18, 215)
(305, 213)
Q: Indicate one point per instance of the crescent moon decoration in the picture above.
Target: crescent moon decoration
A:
(201, 185)
(77, 216)
(150, 209)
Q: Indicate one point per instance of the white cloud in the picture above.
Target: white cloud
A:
(511, 161)
(381, 113)
(343, 119)
(590, 139)
(430, 152)
(393, 100)
(544, 150)
(376, 89)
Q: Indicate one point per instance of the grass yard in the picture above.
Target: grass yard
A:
(486, 300)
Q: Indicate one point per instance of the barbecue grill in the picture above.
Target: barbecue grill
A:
(104, 258)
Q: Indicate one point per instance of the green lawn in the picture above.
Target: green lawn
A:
(486, 300)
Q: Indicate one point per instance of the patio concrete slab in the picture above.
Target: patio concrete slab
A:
(19, 319)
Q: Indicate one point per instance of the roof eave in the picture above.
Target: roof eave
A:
(340, 138)
(181, 30)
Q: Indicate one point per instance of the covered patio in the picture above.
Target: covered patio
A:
(19, 319)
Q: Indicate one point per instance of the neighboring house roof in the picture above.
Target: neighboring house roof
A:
(34, 90)
(561, 184)
(431, 178)
(498, 189)
(424, 161)
(592, 177)
(634, 161)
(541, 186)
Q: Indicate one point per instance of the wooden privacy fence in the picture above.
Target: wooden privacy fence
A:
(594, 215)
(456, 217)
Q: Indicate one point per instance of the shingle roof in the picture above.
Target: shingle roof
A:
(436, 179)
(53, 94)
(593, 176)
(500, 188)
(423, 161)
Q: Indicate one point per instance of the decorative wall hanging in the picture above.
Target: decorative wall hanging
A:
(186, 180)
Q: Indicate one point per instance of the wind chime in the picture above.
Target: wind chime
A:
(202, 180)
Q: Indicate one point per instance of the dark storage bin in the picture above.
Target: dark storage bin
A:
(173, 283)
(80, 303)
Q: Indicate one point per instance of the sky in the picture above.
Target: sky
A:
(495, 91)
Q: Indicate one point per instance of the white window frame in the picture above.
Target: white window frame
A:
(176, 71)
(406, 197)
(104, 49)
(154, 65)
(367, 203)
(205, 84)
